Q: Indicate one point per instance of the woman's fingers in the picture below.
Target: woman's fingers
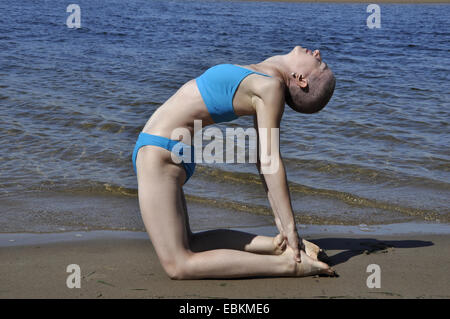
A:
(297, 255)
(293, 242)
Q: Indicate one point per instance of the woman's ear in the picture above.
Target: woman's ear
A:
(300, 80)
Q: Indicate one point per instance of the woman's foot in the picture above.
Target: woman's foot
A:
(312, 250)
(308, 266)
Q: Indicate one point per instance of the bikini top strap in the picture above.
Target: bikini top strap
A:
(252, 71)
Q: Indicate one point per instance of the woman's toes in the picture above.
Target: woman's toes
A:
(331, 272)
(326, 269)
(321, 265)
(310, 267)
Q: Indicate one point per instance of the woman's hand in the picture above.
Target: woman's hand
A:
(292, 239)
(293, 242)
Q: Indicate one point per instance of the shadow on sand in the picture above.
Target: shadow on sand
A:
(357, 246)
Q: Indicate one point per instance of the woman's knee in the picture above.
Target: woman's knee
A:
(177, 267)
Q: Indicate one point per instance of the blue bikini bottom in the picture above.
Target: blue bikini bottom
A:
(178, 148)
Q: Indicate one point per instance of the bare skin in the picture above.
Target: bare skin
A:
(225, 253)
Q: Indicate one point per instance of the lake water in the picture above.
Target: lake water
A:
(73, 101)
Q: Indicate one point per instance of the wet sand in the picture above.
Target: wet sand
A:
(412, 266)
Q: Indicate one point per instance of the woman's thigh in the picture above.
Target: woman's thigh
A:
(160, 201)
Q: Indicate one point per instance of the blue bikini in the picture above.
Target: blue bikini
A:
(217, 86)
(183, 151)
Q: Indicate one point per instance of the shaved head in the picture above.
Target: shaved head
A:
(315, 96)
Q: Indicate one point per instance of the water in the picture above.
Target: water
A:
(72, 102)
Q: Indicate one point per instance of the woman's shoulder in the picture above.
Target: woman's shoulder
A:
(268, 86)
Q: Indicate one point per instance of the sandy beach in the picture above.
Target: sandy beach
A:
(414, 266)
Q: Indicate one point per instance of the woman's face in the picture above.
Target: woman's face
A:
(305, 61)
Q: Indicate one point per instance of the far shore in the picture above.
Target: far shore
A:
(355, 1)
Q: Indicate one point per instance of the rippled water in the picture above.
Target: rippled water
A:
(72, 102)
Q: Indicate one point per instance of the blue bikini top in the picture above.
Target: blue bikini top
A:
(217, 85)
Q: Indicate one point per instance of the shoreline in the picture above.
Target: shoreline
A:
(53, 212)
(10, 239)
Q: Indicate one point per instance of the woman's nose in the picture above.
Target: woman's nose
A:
(316, 53)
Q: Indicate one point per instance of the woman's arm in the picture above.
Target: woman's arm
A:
(263, 181)
(269, 109)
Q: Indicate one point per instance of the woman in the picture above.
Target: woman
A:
(222, 93)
